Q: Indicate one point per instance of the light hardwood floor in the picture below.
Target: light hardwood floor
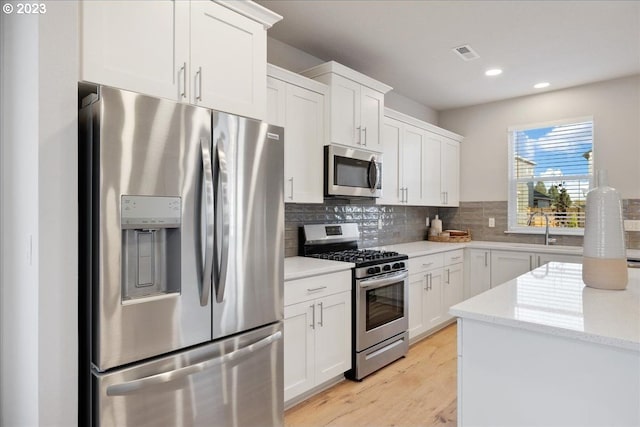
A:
(418, 390)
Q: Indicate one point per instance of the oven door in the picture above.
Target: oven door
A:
(350, 172)
(381, 308)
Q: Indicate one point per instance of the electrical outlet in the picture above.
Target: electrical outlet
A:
(492, 222)
(426, 222)
(632, 224)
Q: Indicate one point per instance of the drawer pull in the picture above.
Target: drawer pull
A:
(427, 264)
(316, 289)
(455, 257)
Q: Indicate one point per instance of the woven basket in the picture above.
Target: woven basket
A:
(452, 239)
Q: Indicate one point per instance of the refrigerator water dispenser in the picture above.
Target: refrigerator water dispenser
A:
(150, 246)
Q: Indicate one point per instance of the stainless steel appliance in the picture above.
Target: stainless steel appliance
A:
(350, 172)
(379, 296)
(181, 265)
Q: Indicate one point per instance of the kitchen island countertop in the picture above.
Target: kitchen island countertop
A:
(553, 299)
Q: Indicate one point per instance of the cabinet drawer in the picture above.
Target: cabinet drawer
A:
(424, 263)
(309, 288)
(454, 257)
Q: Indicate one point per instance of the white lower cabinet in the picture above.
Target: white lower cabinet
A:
(317, 331)
(478, 272)
(506, 265)
(435, 284)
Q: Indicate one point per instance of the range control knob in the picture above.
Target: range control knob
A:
(401, 265)
(371, 270)
(396, 265)
(386, 267)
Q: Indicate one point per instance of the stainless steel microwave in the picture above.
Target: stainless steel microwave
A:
(351, 172)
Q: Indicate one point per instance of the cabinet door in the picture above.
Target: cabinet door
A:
(276, 101)
(450, 172)
(431, 170)
(506, 265)
(228, 60)
(392, 193)
(345, 111)
(303, 142)
(130, 45)
(452, 292)
(412, 146)
(371, 116)
(299, 349)
(417, 291)
(479, 275)
(333, 336)
(433, 300)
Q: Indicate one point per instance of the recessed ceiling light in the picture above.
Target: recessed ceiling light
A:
(493, 72)
(541, 85)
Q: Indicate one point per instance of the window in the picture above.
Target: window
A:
(550, 172)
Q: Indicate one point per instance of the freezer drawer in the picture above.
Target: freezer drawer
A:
(234, 382)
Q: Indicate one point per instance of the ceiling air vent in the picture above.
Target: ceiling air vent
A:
(466, 53)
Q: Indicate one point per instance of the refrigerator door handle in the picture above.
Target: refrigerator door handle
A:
(208, 202)
(131, 387)
(223, 176)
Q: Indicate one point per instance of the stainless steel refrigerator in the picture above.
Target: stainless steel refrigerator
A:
(181, 265)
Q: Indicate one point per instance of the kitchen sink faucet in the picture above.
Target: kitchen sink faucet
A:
(547, 239)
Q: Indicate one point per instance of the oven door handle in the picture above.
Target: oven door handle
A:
(384, 281)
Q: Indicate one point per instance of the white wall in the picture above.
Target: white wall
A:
(296, 60)
(38, 326)
(614, 105)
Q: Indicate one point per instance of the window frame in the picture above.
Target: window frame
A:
(512, 197)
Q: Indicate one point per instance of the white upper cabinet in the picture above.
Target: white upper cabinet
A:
(357, 105)
(130, 45)
(209, 53)
(420, 162)
(298, 104)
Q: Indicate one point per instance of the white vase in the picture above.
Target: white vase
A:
(604, 263)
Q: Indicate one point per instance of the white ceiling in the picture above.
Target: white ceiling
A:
(407, 44)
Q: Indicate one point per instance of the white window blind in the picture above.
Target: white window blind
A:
(551, 170)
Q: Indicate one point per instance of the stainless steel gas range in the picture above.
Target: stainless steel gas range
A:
(379, 294)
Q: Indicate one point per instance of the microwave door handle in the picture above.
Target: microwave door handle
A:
(134, 386)
(207, 199)
(373, 180)
(222, 178)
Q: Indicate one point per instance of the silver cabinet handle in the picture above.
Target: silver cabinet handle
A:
(530, 262)
(364, 130)
(199, 79)
(313, 316)
(319, 288)
(539, 261)
(359, 129)
(430, 281)
(291, 181)
(485, 259)
(321, 323)
(131, 387)
(183, 71)
(223, 176)
(207, 199)
(406, 194)
(448, 276)
(427, 264)
(454, 258)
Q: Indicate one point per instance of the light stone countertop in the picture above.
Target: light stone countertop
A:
(300, 267)
(553, 299)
